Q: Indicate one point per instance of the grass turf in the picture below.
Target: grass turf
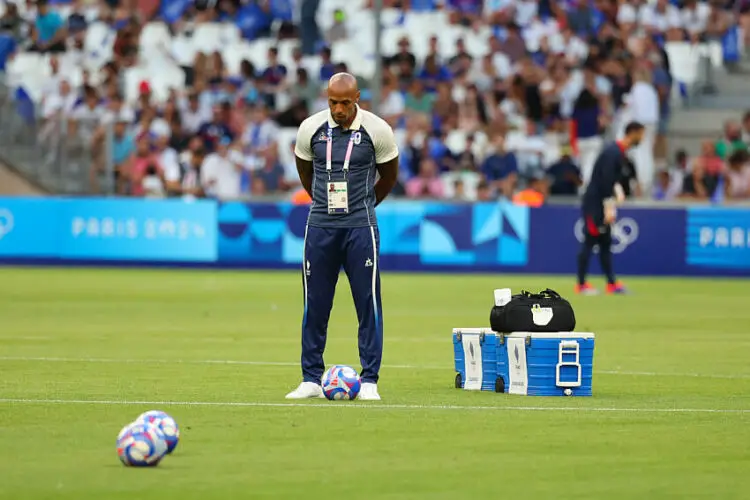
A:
(120, 337)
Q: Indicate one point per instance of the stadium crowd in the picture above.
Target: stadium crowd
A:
(523, 118)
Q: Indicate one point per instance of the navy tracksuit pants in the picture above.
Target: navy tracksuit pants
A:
(326, 251)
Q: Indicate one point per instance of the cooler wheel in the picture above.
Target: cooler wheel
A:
(459, 381)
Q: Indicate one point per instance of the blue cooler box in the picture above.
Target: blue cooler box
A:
(525, 363)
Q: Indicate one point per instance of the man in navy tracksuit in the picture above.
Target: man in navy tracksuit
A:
(599, 208)
(339, 153)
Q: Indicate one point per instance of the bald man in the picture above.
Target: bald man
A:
(339, 154)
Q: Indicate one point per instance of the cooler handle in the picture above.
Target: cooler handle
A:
(568, 347)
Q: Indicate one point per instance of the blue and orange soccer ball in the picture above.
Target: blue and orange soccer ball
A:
(165, 424)
(141, 445)
(341, 382)
(148, 439)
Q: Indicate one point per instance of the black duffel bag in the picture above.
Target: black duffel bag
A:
(545, 311)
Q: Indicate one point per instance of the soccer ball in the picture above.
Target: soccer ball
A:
(165, 424)
(142, 445)
(341, 382)
(124, 431)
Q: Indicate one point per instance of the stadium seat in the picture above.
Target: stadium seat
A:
(132, 79)
(230, 33)
(155, 35)
(234, 54)
(183, 50)
(164, 80)
(358, 62)
(286, 47)
(207, 37)
(470, 179)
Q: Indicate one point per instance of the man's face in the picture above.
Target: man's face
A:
(636, 138)
(343, 105)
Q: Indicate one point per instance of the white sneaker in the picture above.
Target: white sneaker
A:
(369, 392)
(306, 390)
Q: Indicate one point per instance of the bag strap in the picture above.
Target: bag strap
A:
(548, 292)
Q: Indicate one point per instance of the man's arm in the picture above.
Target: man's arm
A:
(388, 175)
(305, 171)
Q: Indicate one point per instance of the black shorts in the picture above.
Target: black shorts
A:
(595, 231)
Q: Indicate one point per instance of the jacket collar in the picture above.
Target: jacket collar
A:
(356, 124)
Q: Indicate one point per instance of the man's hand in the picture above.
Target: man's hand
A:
(388, 176)
(305, 171)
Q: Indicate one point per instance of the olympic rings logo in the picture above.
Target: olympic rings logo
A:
(6, 222)
(624, 233)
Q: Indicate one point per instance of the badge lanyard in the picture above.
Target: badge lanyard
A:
(329, 153)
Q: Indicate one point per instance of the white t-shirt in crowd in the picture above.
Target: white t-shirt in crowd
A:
(502, 64)
(392, 105)
(170, 165)
(526, 11)
(220, 177)
(530, 151)
(87, 119)
(660, 21)
(192, 120)
(696, 21)
(258, 136)
(55, 103)
(644, 103)
(627, 14)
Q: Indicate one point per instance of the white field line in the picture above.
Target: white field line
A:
(45, 359)
(372, 406)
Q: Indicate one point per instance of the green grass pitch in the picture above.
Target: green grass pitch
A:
(218, 350)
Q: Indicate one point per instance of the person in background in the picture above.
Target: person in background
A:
(565, 174)
(211, 132)
(219, 175)
(49, 30)
(661, 191)
(192, 184)
(738, 176)
(484, 193)
(427, 184)
(644, 102)
(272, 173)
(500, 168)
(459, 190)
(144, 159)
(534, 194)
(338, 31)
(731, 142)
(599, 209)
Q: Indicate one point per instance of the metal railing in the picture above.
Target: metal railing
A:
(42, 149)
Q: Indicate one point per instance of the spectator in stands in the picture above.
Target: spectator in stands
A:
(427, 184)
(11, 22)
(529, 147)
(662, 20)
(274, 77)
(192, 184)
(534, 194)
(143, 164)
(271, 174)
(565, 175)
(403, 58)
(586, 122)
(738, 176)
(500, 168)
(338, 31)
(220, 173)
(464, 12)
(661, 191)
(677, 173)
(86, 116)
(304, 90)
(644, 106)
(327, 66)
(706, 170)
(166, 156)
(392, 104)
(417, 100)
(433, 74)
(731, 142)
(695, 18)
(466, 160)
(121, 155)
(49, 29)
(217, 128)
(471, 113)
(259, 137)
